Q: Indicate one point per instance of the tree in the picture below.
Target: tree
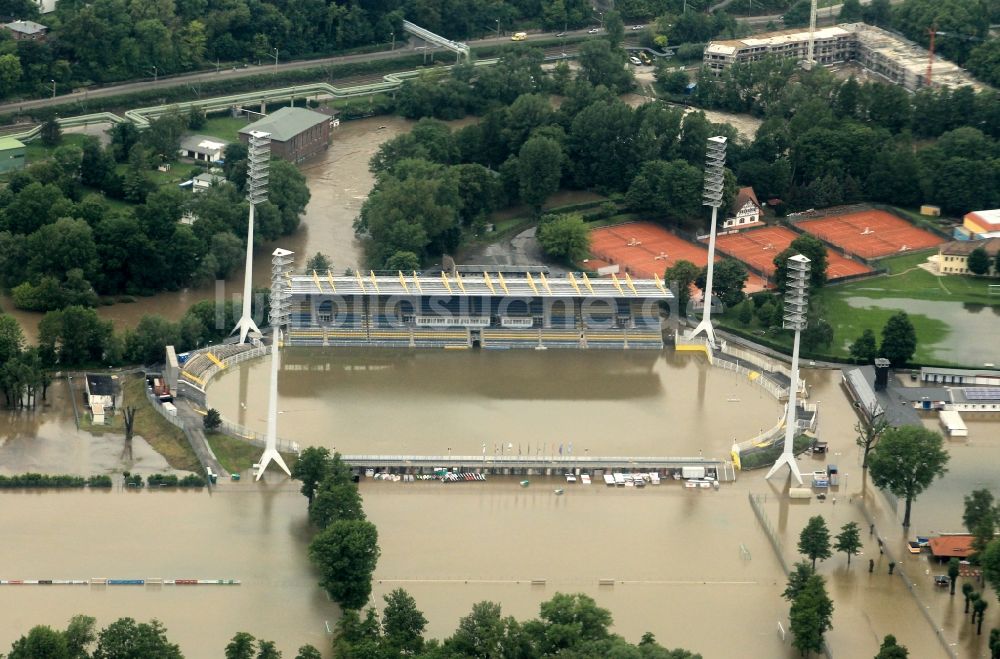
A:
(906, 461)
(814, 540)
(877, 13)
(146, 343)
(810, 247)
(967, 590)
(797, 15)
(869, 433)
(51, 133)
(979, 261)
(403, 261)
(682, 274)
(309, 652)
(849, 540)
(79, 636)
(979, 611)
(540, 166)
(212, 420)
(126, 639)
(990, 560)
(850, 12)
(345, 553)
(311, 468)
(267, 650)
(889, 648)
(565, 238)
(668, 190)
(954, 569)
(811, 615)
(746, 313)
(241, 647)
(864, 350)
(797, 580)
(980, 517)
(728, 280)
(995, 643)
(319, 262)
(615, 28)
(335, 501)
(899, 339)
(403, 624)
(818, 334)
(42, 642)
(601, 64)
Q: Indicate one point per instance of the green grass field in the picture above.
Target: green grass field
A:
(849, 317)
(224, 127)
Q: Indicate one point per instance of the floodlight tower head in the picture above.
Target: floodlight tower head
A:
(281, 268)
(796, 293)
(258, 166)
(715, 162)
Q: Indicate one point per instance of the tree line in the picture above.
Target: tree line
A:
(826, 141)
(64, 242)
(435, 187)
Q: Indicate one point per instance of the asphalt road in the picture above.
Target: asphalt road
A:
(230, 73)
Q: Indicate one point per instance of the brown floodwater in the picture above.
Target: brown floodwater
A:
(605, 403)
(686, 564)
(47, 440)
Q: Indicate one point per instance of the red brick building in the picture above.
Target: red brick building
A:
(296, 133)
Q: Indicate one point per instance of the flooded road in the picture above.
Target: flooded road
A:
(429, 402)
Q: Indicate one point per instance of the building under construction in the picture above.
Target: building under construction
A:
(890, 56)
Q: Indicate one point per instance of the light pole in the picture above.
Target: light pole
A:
(156, 74)
(281, 267)
(796, 305)
(53, 88)
(258, 169)
(275, 60)
(715, 161)
(393, 41)
(498, 28)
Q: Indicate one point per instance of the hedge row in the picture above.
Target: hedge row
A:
(170, 480)
(52, 481)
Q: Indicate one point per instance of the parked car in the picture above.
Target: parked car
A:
(637, 27)
(635, 60)
(561, 34)
(593, 30)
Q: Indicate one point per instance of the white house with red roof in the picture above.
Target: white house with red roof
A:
(745, 211)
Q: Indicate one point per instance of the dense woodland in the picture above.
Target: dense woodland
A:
(66, 238)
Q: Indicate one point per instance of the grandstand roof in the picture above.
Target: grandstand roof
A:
(479, 285)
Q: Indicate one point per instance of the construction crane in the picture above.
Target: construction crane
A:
(934, 32)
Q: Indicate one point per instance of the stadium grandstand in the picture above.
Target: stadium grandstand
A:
(462, 310)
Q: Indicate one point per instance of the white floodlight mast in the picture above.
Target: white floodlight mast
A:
(281, 266)
(794, 318)
(258, 163)
(715, 162)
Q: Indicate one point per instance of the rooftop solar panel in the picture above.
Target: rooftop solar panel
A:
(982, 393)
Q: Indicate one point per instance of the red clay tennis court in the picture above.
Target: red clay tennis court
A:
(758, 247)
(642, 249)
(870, 234)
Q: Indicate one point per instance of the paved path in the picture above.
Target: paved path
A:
(194, 429)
